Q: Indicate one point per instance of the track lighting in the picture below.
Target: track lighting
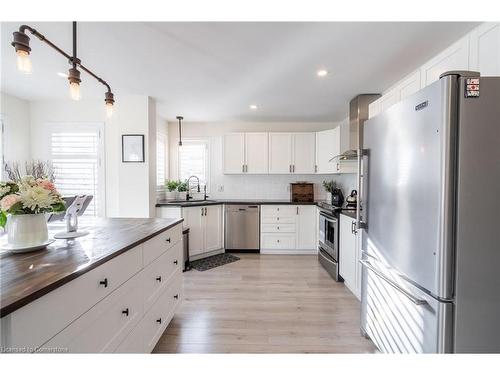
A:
(21, 43)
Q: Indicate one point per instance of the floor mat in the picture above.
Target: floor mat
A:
(213, 261)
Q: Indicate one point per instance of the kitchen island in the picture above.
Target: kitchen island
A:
(91, 295)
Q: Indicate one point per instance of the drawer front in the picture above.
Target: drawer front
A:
(156, 277)
(158, 317)
(157, 245)
(278, 241)
(37, 322)
(279, 220)
(106, 325)
(134, 342)
(278, 228)
(278, 210)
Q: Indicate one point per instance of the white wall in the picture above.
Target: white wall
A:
(16, 118)
(249, 186)
(129, 192)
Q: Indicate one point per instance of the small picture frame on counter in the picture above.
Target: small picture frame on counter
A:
(133, 148)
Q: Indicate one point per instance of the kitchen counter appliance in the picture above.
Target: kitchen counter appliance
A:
(430, 251)
(328, 245)
(242, 228)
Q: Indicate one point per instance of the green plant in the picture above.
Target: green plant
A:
(183, 186)
(172, 185)
(329, 185)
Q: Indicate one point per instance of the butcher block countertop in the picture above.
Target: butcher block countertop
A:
(26, 277)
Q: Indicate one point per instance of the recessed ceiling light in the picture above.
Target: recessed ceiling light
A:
(64, 75)
(322, 73)
(253, 106)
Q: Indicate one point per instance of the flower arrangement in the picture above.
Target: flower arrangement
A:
(29, 195)
(172, 185)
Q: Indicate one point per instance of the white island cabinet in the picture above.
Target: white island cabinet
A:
(121, 305)
(288, 229)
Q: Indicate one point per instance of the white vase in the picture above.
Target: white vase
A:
(171, 195)
(27, 230)
(182, 195)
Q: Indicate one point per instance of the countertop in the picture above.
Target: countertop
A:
(163, 203)
(26, 277)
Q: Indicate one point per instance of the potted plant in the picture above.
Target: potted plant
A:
(182, 189)
(23, 205)
(171, 186)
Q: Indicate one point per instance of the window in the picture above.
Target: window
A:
(193, 160)
(161, 149)
(75, 152)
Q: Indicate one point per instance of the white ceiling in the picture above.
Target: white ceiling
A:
(214, 71)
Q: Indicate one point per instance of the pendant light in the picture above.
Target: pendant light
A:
(21, 43)
(180, 118)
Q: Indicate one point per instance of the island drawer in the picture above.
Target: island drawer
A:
(277, 241)
(158, 317)
(278, 228)
(105, 326)
(157, 276)
(37, 322)
(157, 245)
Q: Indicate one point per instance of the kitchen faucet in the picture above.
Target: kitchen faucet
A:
(188, 197)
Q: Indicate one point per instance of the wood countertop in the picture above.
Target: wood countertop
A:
(26, 277)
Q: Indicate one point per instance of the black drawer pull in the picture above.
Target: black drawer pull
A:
(158, 321)
(104, 282)
(125, 312)
(176, 296)
(176, 262)
(158, 279)
(168, 240)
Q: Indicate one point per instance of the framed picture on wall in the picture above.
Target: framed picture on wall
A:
(133, 148)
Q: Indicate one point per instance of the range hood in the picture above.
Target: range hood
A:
(358, 114)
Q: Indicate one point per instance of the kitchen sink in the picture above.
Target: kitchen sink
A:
(191, 201)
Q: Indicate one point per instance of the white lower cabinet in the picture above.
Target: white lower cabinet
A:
(123, 305)
(349, 266)
(205, 229)
(288, 229)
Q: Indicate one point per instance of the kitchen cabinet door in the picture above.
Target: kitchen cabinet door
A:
(280, 153)
(327, 146)
(194, 221)
(234, 153)
(304, 153)
(306, 227)
(485, 49)
(348, 257)
(213, 227)
(256, 153)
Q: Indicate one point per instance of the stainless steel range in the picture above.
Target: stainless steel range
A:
(328, 254)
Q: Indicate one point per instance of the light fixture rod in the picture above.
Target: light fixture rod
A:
(75, 61)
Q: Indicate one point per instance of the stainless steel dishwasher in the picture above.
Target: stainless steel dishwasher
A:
(242, 229)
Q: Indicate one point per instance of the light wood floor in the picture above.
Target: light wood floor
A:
(265, 304)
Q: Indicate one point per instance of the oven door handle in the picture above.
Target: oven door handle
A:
(329, 219)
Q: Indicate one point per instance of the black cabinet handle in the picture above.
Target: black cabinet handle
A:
(125, 312)
(176, 262)
(104, 282)
(168, 240)
(158, 279)
(158, 321)
(176, 296)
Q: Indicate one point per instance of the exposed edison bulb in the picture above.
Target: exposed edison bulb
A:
(109, 109)
(23, 61)
(74, 90)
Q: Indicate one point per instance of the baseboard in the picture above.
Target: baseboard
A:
(289, 251)
(204, 255)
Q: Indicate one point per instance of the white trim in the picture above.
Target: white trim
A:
(289, 251)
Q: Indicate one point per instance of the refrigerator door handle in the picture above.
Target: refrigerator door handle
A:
(411, 297)
(362, 153)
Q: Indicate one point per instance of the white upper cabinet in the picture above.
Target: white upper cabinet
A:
(256, 153)
(327, 146)
(455, 57)
(234, 153)
(485, 49)
(304, 153)
(409, 85)
(280, 153)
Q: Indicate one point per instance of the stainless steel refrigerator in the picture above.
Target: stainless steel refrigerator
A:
(430, 219)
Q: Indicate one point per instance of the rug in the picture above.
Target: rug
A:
(213, 261)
